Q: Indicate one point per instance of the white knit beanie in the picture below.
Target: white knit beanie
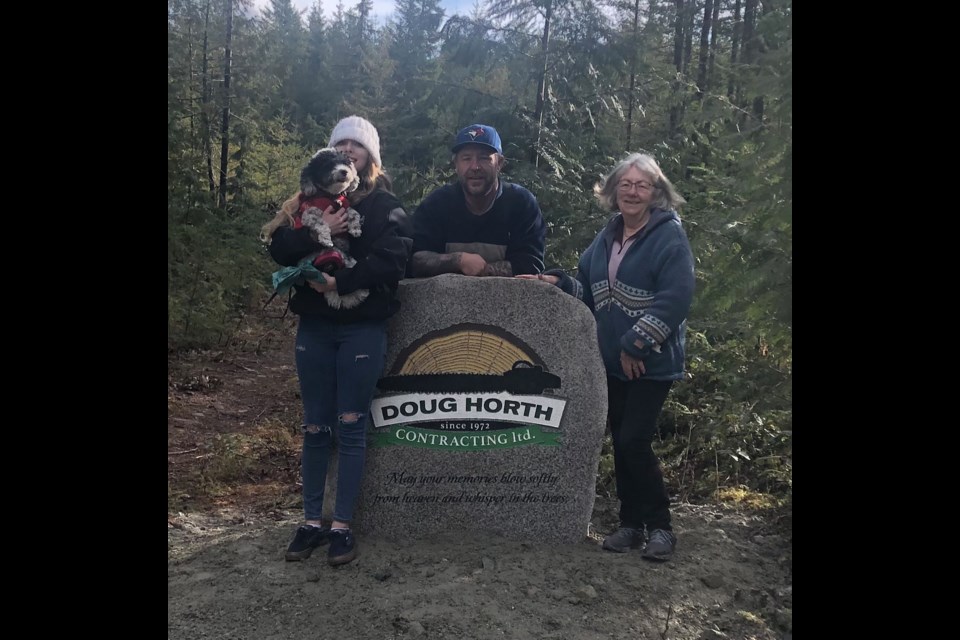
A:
(356, 128)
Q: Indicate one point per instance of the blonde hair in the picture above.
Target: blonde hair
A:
(665, 195)
(371, 178)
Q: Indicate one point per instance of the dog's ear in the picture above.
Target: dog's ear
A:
(307, 185)
(353, 186)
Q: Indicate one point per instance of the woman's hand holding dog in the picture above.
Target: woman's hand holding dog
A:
(336, 221)
(329, 283)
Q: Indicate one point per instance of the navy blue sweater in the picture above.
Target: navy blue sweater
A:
(514, 224)
(649, 300)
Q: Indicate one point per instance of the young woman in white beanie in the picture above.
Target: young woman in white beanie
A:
(340, 352)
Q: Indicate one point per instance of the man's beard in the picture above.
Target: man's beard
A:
(483, 189)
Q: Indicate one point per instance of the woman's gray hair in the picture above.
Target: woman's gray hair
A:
(665, 196)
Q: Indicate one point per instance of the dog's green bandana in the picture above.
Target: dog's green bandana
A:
(286, 277)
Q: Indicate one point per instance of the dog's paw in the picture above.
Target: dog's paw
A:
(354, 223)
(320, 233)
(333, 299)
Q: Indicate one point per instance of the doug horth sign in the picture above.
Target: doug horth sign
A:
(469, 410)
(489, 415)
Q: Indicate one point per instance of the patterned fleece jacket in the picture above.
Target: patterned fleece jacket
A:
(648, 301)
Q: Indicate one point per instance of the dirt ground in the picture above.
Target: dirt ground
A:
(233, 504)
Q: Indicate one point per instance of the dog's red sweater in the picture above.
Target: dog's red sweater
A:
(320, 202)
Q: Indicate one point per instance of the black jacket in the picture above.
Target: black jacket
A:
(381, 253)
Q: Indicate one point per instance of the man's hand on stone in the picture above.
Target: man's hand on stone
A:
(471, 264)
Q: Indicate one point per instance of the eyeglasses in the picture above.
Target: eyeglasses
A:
(626, 186)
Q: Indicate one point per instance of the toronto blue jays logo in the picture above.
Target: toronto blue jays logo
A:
(475, 132)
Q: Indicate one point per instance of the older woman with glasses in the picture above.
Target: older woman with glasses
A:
(637, 277)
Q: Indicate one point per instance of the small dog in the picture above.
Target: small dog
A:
(325, 181)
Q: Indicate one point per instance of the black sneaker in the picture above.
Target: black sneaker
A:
(306, 540)
(661, 545)
(343, 547)
(623, 540)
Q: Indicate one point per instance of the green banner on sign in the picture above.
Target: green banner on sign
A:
(465, 440)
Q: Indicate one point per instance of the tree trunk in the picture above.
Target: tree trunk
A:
(733, 87)
(749, 22)
(766, 7)
(678, 65)
(190, 110)
(241, 165)
(633, 72)
(189, 84)
(714, 23)
(704, 46)
(689, 17)
(225, 125)
(749, 47)
(542, 85)
(689, 20)
(205, 109)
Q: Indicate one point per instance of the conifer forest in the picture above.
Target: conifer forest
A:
(572, 86)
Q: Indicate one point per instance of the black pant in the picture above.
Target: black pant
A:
(633, 410)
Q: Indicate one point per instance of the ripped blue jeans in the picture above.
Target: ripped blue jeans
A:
(338, 366)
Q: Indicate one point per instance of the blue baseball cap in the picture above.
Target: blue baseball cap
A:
(478, 134)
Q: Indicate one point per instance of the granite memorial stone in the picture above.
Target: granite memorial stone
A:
(489, 416)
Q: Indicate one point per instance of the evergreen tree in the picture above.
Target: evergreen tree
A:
(284, 48)
(414, 47)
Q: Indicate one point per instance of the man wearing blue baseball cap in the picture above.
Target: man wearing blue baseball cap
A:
(481, 225)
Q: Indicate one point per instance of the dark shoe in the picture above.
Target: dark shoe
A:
(661, 545)
(343, 547)
(623, 540)
(306, 540)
